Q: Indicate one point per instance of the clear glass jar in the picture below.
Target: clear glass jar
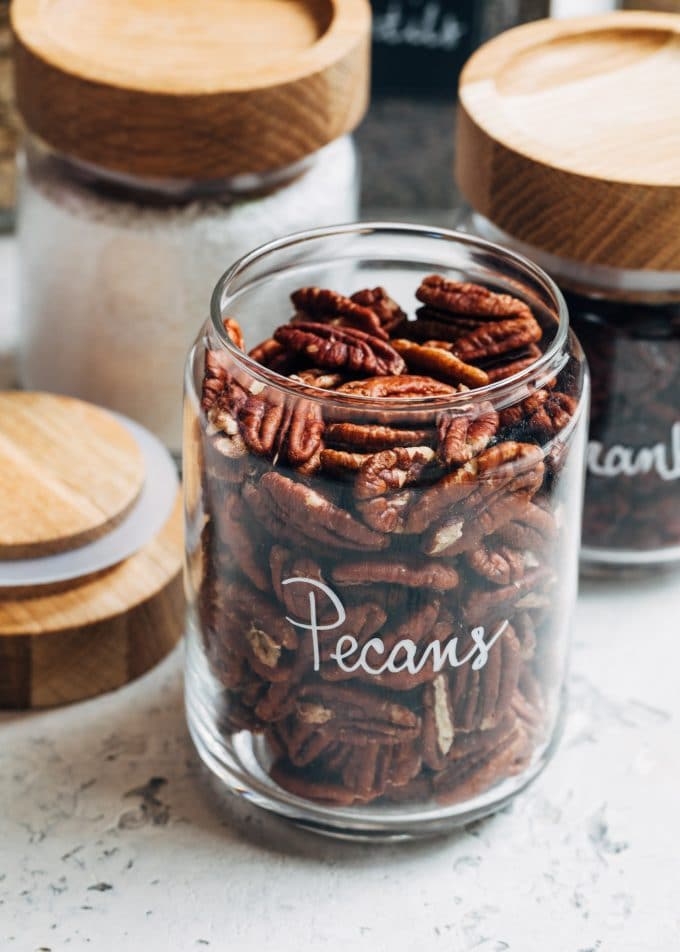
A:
(628, 323)
(380, 618)
(115, 268)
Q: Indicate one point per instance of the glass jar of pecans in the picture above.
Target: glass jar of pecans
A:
(383, 500)
(603, 218)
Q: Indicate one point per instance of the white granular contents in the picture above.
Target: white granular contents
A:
(113, 293)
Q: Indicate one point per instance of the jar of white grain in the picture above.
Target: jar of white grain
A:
(164, 142)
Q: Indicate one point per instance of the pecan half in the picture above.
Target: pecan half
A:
(216, 377)
(499, 563)
(511, 363)
(391, 470)
(519, 413)
(437, 327)
(442, 497)
(479, 769)
(357, 715)
(291, 431)
(497, 338)
(273, 355)
(370, 438)
(440, 364)
(268, 638)
(463, 437)
(462, 297)
(531, 591)
(319, 378)
(234, 332)
(531, 528)
(398, 387)
(302, 740)
(510, 465)
(299, 782)
(329, 307)
(438, 729)
(340, 348)
(463, 531)
(242, 540)
(224, 428)
(315, 515)
(413, 573)
(387, 513)
(553, 416)
(379, 301)
(284, 564)
(526, 635)
(342, 463)
(511, 462)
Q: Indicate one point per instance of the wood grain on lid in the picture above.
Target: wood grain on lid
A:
(69, 472)
(97, 634)
(175, 88)
(569, 137)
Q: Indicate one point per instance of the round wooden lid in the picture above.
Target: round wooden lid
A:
(80, 640)
(569, 138)
(69, 472)
(179, 89)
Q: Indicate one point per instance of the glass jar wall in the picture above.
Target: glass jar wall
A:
(382, 529)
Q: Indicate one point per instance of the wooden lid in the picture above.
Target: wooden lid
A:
(176, 88)
(95, 635)
(69, 472)
(569, 138)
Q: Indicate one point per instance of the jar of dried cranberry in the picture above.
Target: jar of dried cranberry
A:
(568, 152)
(383, 497)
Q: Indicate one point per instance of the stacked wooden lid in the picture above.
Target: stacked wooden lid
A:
(569, 138)
(70, 474)
(191, 90)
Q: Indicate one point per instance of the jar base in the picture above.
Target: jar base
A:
(238, 761)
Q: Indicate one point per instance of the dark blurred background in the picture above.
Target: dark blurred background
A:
(406, 142)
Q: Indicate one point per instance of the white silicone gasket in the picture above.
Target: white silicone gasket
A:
(144, 521)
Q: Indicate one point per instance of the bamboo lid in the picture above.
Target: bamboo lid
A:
(179, 89)
(74, 642)
(79, 486)
(69, 472)
(569, 138)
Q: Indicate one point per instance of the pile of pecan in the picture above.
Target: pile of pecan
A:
(633, 481)
(351, 544)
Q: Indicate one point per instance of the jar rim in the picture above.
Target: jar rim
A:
(498, 392)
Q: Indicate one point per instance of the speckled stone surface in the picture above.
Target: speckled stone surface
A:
(111, 838)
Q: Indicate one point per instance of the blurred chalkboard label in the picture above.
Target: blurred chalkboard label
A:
(419, 46)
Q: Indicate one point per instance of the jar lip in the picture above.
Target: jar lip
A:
(540, 370)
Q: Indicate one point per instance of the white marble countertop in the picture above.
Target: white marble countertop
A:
(111, 837)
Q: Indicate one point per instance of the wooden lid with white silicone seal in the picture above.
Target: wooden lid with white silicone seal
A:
(90, 551)
(568, 138)
(189, 90)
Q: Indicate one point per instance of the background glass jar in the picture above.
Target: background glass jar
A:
(628, 323)
(604, 220)
(380, 614)
(145, 175)
(117, 266)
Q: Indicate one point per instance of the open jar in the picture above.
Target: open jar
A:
(163, 144)
(558, 160)
(382, 528)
